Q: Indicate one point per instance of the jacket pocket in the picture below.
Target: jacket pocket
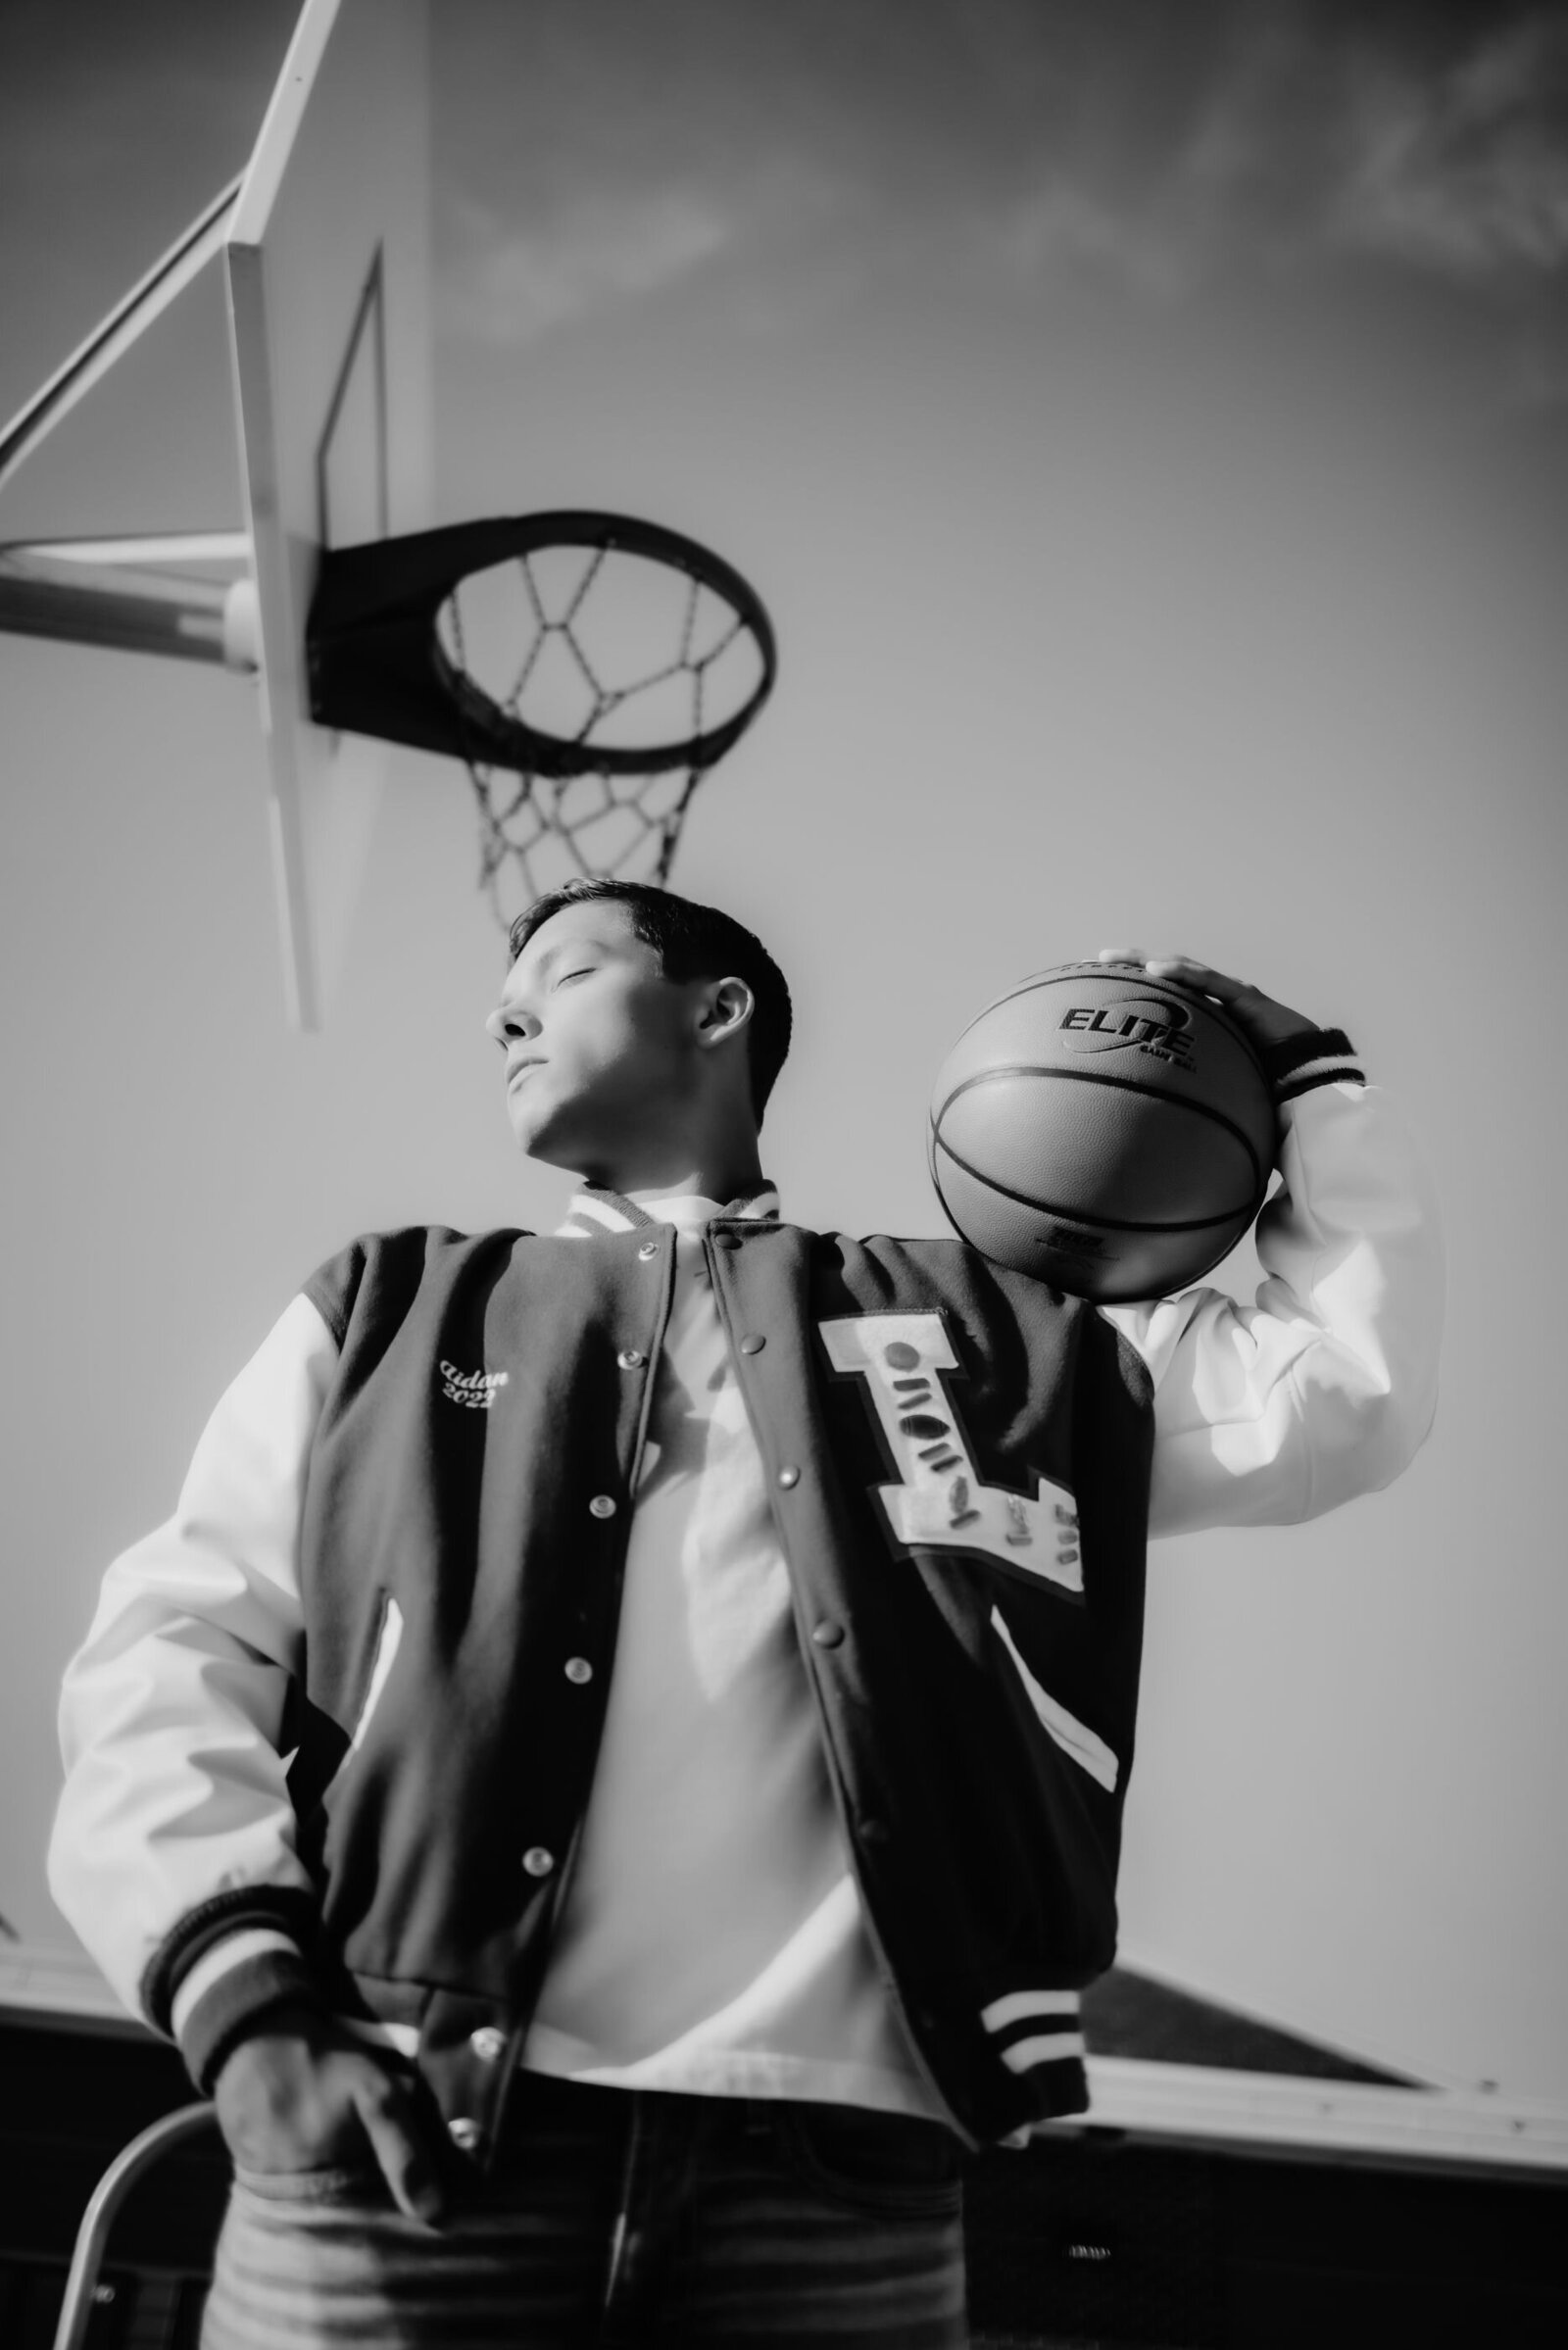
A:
(387, 1640)
(1075, 1738)
(891, 2165)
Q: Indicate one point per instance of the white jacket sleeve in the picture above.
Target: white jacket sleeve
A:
(171, 1711)
(1326, 1385)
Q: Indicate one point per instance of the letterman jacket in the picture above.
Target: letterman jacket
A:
(960, 1462)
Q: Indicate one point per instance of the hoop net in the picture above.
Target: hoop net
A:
(624, 669)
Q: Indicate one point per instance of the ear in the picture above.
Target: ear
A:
(727, 1006)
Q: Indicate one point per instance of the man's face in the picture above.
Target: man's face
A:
(597, 1040)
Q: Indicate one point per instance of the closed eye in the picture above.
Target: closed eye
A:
(586, 972)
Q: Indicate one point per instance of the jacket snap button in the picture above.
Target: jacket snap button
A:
(631, 1358)
(602, 1506)
(488, 2044)
(579, 1669)
(827, 1635)
(649, 1249)
(788, 1475)
(873, 1832)
(465, 2134)
(538, 1861)
(753, 1344)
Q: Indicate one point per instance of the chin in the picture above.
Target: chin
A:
(547, 1139)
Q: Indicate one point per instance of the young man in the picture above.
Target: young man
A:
(613, 1774)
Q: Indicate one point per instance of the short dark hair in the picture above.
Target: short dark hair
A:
(692, 941)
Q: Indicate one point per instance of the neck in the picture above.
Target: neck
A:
(719, 1174)
(719, 1184)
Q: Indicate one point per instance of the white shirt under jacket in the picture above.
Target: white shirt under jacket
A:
(712, 1938)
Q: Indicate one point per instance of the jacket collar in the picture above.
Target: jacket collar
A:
(591, 1211)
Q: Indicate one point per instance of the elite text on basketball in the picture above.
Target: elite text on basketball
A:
(1115, 1028)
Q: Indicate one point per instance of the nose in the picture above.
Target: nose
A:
(508, 1024)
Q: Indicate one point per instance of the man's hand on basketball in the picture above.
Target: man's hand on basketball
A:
(1261, 1019)
(292, 2098)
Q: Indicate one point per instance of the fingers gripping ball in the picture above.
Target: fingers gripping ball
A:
(1110, 1133)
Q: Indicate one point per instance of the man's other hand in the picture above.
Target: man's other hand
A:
(292, 2098)
(1264, 1021)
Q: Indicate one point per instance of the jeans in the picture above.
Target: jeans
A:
(611, 2218)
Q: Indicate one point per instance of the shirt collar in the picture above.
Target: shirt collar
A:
(591, 1211)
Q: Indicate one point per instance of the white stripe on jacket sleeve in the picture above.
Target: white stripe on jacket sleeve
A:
(234, 1950)
(171, 1709)
(1325, 1388)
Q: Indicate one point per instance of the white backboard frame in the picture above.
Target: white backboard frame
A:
(327, 265)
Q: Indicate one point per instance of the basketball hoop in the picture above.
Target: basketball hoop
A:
(587, 669)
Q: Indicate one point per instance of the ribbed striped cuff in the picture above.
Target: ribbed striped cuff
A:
(225, 1993)
(1310, 1058)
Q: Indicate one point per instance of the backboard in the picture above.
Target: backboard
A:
(327, 258)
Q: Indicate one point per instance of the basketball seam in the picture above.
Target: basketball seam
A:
(1125, 1084)
(1076, 1215)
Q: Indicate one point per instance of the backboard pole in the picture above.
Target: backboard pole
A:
(127, 609)
(124, 325)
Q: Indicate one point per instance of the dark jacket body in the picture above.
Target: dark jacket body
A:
(475, 1465)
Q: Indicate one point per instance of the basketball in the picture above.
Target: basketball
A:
(1110, 1133)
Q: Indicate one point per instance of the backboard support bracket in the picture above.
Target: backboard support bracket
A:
(325, 241)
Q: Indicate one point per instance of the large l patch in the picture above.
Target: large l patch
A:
(940, 1502)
